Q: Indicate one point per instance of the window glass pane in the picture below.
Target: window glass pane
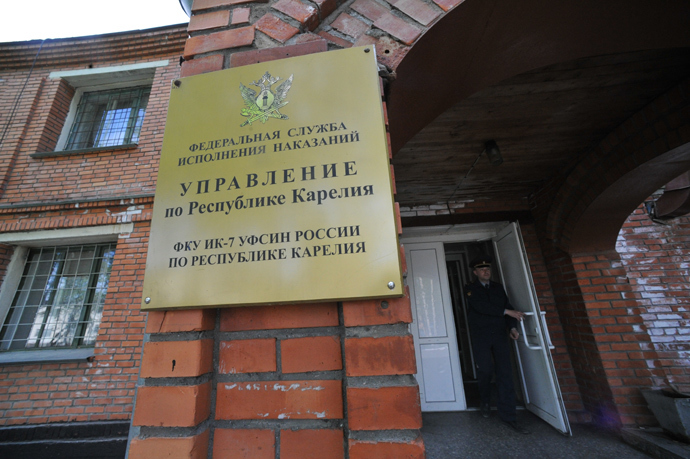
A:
(62, 306)
(21, 330)
(85, 128)
(140, 117)
(108, 118)
(45, 254)
(34, 316)
(43, 268)
(86, 259)
(62, 322)
(98, 292)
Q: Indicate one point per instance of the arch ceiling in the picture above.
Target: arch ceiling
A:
(546, 80)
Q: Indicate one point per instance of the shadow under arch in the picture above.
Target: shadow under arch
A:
(597, 227)
(594, 198)
(482, 42)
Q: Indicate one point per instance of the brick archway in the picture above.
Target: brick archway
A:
(480, 43)
(580, 214)
(642, 154)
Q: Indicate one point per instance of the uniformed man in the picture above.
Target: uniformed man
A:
(492, 319)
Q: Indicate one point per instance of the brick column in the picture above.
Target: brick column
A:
(174, 395)
(629, 360)
(612, 355)
(326, 381)
(280, 383)
(383, 407)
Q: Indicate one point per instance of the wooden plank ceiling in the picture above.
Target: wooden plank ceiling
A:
(543, 122)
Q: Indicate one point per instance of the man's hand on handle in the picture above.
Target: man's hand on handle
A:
(514, 314)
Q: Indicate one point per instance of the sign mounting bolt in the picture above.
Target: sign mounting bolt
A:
(391, 285)
(147, 300)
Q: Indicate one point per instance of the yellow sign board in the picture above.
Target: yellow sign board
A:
(274, 187)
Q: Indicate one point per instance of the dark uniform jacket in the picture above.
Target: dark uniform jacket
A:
(485, 308)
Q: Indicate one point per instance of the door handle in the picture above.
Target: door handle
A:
(524, 334)
(542, 316)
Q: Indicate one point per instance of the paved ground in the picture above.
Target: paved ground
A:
(468, 435)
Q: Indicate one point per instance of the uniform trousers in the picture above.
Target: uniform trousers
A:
(491, 351)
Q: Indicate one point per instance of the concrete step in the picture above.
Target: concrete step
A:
(656, 443)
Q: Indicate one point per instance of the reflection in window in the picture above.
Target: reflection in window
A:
(59, 301)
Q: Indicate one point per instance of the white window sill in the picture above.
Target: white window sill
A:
(48, 355)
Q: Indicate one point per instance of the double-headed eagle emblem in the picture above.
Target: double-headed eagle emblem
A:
(266, 104)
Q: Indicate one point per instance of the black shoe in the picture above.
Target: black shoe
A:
(485, 411)
(516, 427)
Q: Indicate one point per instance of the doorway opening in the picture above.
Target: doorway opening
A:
(438, 269)
(458, 257)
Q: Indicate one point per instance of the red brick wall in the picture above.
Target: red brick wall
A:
(281, 375)
(215, 27)
(105, 174)
(76, 191)
(14, 131)
(6, 252)
(609, 346)
(622, 341)
(102, 389)
(57, 113)
(35, 124)
(94, 50)
(579, 336)
(656, 258)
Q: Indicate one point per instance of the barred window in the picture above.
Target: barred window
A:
(108, 118)
(60, 297)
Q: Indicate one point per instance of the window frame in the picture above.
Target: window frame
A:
(99, 79)
(22, 243)
(97, 128)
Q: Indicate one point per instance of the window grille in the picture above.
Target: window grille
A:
(60, 297)
(108, 118)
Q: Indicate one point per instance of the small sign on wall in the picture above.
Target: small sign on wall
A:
(274, 187)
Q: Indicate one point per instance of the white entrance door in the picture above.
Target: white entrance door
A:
(433, 328)
(541, 390)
